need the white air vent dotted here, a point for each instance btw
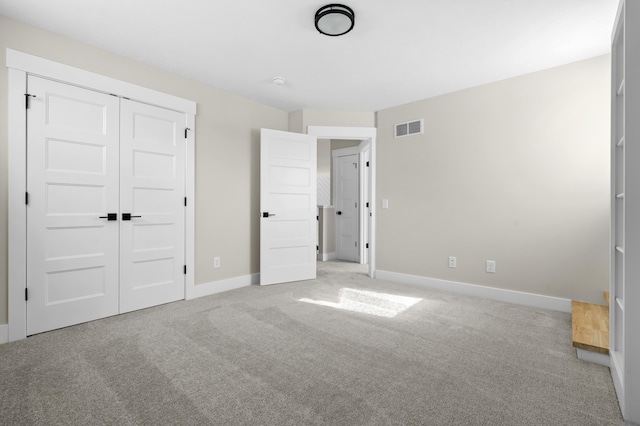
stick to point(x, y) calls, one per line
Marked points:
point(409, 128)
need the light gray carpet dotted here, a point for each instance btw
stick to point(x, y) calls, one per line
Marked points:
point(259, 356)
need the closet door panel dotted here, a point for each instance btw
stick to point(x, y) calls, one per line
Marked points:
point(72, 182)
point(152, 167)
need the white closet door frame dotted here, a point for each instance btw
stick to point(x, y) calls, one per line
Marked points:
point(20, 65)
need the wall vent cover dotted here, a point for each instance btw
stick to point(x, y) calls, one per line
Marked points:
point(409, 128)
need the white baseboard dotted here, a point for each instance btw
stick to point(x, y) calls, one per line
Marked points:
point(215, 287)
point(4, 333)
point(323, 257)
point(503, 295)
point(595, 357)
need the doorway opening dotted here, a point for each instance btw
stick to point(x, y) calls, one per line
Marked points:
point(352, 159)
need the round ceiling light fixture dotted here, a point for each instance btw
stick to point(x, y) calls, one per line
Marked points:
point(279, 81)
point(335, 19)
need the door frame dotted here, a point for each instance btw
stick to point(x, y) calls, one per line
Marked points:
point(365, 184)
point(20, 65)
point(367, 135)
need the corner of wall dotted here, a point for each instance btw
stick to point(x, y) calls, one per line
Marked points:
point(295, 121)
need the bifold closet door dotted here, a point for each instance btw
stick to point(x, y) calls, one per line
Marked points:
point(152, 188)
point(72, 184)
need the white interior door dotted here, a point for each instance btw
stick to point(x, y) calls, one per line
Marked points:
point(72, 184)
point(152, 179)
point(288, 188)
point(346, 196)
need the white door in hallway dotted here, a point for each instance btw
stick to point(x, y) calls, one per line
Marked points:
point(288, 185)
point(346, 202)
point(72, 184)
point(152, 179)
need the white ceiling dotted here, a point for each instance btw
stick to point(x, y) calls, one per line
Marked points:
point(399, 51)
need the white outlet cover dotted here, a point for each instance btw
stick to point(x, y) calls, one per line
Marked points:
point(491, 266)
point(452, 262)
point(216, 262)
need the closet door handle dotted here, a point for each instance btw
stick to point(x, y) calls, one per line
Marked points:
point(110, 216)
point(128, 216)
point(339, 213)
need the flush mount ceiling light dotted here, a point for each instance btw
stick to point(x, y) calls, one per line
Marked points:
point(335, 19)
point(279, 81)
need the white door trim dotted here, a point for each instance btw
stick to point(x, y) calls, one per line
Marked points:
point(17, 262)
point(362, 134)
point(35, 65)
point(343, 152)
point(22, 64)
point(365, 177)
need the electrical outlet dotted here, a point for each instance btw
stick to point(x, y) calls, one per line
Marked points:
point(491, 266)
point(216, 262)
point(452, 262)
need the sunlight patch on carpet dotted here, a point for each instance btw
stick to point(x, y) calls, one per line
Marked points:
point(368, 302)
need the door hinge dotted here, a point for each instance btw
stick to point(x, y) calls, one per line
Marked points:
point(26, 198)
point(356, 205)
point(356, 244)
point(317, 217)
point(185, 201)
point(26, 294)
point(367, 204)
point(367, 246)
point(186, 129)
point(185, 269)
point(27, 104)
point(355, 165)
point(367, 164)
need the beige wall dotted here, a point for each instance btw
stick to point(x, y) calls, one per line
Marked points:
point(326, 230)
point(324, 157)
point(227, 151)
point(515, 171)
